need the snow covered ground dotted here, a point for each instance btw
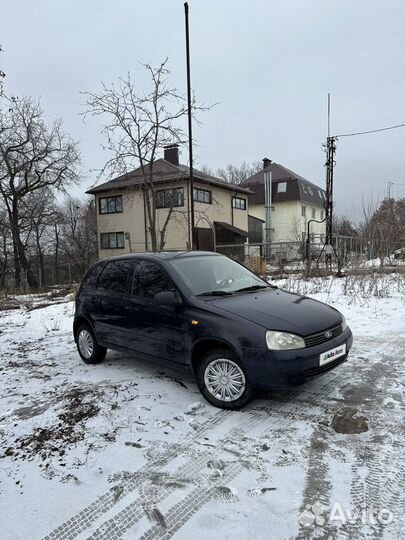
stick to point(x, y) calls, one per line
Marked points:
point(130, 450)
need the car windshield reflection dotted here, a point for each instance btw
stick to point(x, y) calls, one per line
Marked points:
point(216, 275)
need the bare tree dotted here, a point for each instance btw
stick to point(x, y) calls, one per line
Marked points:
point(384, 226)
point(4, 249)
point(343, 226)
point(236, 174)
point(77, 237)
point(38, 216)
point(139, 125)
point(2, 75)
point(33, 155)
point(56, 233)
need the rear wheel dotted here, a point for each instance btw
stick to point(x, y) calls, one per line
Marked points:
point(89, 351)
point(222, 380)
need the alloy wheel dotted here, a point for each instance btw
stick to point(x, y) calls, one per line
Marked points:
point(85, 343)
point(224, 379)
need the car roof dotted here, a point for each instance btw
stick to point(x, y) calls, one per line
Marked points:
point(160, 255)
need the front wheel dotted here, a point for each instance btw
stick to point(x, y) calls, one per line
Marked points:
point(89, 351)
point(222, 380)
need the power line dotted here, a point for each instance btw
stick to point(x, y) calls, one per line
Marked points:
point(371, 131)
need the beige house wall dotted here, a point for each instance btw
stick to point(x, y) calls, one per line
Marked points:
point(288, 222)
point(177, 228)
point(132, 219)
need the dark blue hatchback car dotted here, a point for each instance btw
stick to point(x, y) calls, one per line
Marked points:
point(235, 331)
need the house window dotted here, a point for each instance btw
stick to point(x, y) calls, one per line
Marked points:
point(112, 240)
point(303, 211)
point(110, 205)
point(202, 195)
point(168, 198)
point(313, 213)
point(239, 203)
point(282, 187)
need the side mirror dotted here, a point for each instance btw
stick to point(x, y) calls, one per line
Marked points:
point(166, 298)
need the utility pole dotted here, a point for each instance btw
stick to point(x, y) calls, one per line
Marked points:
point(190, 136)
point(330, 163)
point(330, 150)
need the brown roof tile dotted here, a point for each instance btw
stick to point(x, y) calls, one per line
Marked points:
point(297, 189)
point(164, 171)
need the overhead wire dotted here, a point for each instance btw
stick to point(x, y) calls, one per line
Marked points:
point(370, 131)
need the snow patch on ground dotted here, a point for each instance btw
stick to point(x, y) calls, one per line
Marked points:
point(129, 449)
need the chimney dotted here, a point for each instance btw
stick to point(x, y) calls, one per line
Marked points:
point(171, 153)
point(266, 162)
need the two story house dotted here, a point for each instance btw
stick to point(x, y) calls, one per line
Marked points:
point(220, 209)
point(294, 202)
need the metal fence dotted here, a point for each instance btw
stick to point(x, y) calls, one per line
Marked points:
point(65, 274)
point(347, 252)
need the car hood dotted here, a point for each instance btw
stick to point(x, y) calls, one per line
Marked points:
point(275, 309)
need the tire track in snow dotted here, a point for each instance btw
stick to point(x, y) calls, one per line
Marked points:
point(378, 471)
point(115, 527)
point(317, 482)
point(183, 511)
point(383, 484)
point(84, 519)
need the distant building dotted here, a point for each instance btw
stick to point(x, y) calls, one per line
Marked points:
point(295, 201)
point(221, 209)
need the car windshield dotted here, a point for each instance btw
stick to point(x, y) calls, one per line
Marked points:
point(216, 275)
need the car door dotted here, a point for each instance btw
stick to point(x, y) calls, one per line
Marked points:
point(113, 291)
point(88, 299)
point(156, 330)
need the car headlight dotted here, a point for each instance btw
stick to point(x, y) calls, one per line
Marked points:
point(283, 341)
point(344, 323)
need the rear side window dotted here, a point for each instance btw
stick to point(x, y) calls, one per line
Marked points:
point(115, 276)
point(90, 280)
point(149, 279)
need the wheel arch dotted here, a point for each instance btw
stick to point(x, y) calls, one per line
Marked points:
point(78, 321)
point(205, 345)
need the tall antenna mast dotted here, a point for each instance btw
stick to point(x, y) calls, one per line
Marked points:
point(328, 114)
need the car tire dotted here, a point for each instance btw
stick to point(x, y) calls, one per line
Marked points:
point(90, 352)
point(223, 362)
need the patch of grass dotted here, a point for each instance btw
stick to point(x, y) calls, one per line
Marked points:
point(47, 441)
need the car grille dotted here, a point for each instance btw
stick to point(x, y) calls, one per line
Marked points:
point(326, 367)
point(319, 337)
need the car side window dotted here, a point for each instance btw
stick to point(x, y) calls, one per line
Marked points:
point(115, 276)
point(149, 279)
point(90, 280)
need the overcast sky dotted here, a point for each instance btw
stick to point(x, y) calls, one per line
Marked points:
point(269, 65)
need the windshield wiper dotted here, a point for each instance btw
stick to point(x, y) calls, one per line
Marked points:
point(215, 293)
point(252, 288)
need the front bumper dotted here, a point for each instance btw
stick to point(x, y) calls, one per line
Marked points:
point(283, 369)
